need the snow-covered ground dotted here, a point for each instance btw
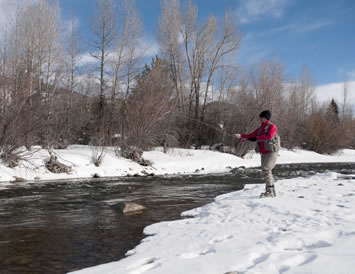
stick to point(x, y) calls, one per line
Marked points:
point(308, 228)
point(176, 161)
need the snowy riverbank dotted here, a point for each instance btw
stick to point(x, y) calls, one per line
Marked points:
point(308, 228)
point(176, 161)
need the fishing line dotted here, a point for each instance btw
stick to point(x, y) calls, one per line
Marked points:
point(185, 116)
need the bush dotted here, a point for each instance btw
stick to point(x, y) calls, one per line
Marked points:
point(322, 134)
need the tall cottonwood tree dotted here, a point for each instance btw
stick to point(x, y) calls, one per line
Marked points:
point(73, 50)
point(195, 51)
point(170, 44)
point(104, 28)
point(72, 46)
point(31, 76)
point(36, 53)
point(52, 75)
point(125, 61)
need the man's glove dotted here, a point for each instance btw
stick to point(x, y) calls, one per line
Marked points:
point(253, 139)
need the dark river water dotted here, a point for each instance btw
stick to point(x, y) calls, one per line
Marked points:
point(57, 227)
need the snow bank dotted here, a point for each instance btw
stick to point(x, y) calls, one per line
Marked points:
point(176, 161)
point(308, 228)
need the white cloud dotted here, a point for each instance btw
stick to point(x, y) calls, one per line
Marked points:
point(313, 26)
point(281, 29)
point(335, 90)
point(149, 48)
point(87, 59)
point(252, 10)
point(299, 28)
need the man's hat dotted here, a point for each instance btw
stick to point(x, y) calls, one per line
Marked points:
point(265, 114)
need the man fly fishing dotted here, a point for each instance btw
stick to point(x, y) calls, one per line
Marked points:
point(268, 144)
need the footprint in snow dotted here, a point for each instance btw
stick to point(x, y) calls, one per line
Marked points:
point(259, 260)
point(254, 259)
point(308, 259)
point(220, 239)
point(143, 265)
point(319, 244)
point(194, 254)
point(297, 260)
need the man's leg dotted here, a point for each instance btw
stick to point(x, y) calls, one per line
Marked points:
point(268, 162)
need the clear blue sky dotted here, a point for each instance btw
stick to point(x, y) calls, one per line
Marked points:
point(319, 34)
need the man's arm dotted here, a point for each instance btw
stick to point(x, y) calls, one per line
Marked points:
point(250, 135)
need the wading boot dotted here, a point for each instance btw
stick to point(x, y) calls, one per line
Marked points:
point(269, 192)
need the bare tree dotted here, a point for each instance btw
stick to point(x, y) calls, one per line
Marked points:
point(170, 43)
point(228, 79)
point(222, 48)
point(34, 36)
point(104, 28)
point(125, 58)
point(73, 50)
point(267, 83)
point(346, 110)
point(84, 127)
point(28, 46)
point(148, 107)
point(299, 102)
point(322, 134)
point(4, 64)
point(195, 52)
point(15, 67)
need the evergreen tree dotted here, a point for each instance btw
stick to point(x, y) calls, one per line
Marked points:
point(333, 111)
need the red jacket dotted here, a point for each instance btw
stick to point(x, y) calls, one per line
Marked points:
point(268, 136)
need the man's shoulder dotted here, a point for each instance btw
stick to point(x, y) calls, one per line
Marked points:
point(272, 125)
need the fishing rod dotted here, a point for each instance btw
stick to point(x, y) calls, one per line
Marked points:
point(187, 117)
